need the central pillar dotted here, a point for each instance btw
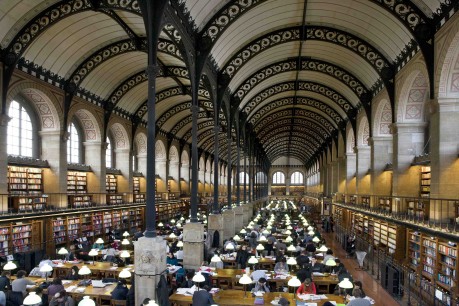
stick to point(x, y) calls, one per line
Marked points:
point(193, 245)
point(149, 263)
point(215, 223)
point(245, 214)
point(238, 218)
point(228, 224)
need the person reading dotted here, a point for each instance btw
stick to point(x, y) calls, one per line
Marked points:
point(307, 287)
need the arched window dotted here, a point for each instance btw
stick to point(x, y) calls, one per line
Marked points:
point(135, 166)
point(243, 175)
point(73, 145)
point(109, 154)
point(296, 178)
point(278, 178)
point(19, 131)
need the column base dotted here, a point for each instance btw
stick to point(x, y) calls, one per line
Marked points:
point(193, 245)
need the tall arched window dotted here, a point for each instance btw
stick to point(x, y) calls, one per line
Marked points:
point(296, 178)
point(278, 178)
point(73, 145)
point(109, 154)
point(20, 131)
point(243, 175)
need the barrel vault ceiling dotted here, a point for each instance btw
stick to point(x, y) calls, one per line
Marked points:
point(296, 71)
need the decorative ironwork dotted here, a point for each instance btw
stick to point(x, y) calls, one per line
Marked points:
point(186, 106)
point(306, 64)
point(168, 47)
point(271, 121)
point(263, 134)
point(127, 85)
point(287, 130)
point(160, 96)
point(172, 32)
point(180, 72)
point(226, 16)
point(185, 121)
point(201, 126)
point(342, 38)
point(284, 142)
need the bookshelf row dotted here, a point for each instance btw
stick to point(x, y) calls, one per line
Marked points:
point(19, 237)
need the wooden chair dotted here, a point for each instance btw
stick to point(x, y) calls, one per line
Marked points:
point(118, 303)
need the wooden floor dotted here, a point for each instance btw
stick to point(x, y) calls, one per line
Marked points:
point(371, 287)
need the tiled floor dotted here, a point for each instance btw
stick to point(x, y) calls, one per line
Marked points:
point(371, 287)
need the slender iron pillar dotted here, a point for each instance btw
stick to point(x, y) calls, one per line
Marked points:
point(216, 208)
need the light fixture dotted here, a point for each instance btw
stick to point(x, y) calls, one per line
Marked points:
point(9, 266)
point(215, 258)
point(100, 241)
point(289, 227)
point(62, 251)
point(125, 273)
point(93, 253)
point(260, 247)
point(46, 268)
point(229, 247)
point(125, 242)
point(237, 238)
point(126, 234)
point(346, 284)
point(160, 224)
point(125, 254)
point(288, 239)
point(294, 282)
point(32, 299)
point(310, 228)
point(172, 221)
point(252, 260)
point(291, 248)
point(323, 248)
point(291, 261)
point(84, 270)
point(331, 263)
point(180, 244)
point(245, 280)
point(87, 301)
point(316, 239)
point(262, 238)
point(152, 303)
point(179, 225)
point(265, 232)
point(288, 232)
point(198, 278)
point(182, 218)
point(172, 236)
point(311, 233)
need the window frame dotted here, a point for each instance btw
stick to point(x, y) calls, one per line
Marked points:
point(80, 131)
point(275, 182)
point(293, 182)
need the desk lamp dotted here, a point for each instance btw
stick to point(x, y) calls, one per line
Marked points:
point(46, 268)
point(86, 301)
point(288, 239)
point(198, 278)
point(9, 266)
point(100, 241)
point(32, 299)
point(125, 234)
point(345, 284)
point(245, 280)
point(215, 258)
point(125, 254)
point(125, 242)
point(160, 224)
point(237, 238)
point(229, 247)
point(311, 233)
point(289, 227)
point(93, 253)
point(63, 251)
point(330, 263)
point(243, 231)
point(172, 236)
point(294, 282)
point(152, 303)
point(262, 238)
point(265, 232)
point(180, 244)
point(288, 232)
point(322, 249)
point(252, 260)
point(291, 261)
point(85, 271)
point(125, 273)
point(260, 248)
point(315, 239)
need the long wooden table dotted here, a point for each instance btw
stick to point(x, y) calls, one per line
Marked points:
point(99, 269)
point(239, 297)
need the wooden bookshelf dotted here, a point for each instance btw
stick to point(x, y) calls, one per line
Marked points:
point(385, 204)
point(28, 203)
point(97, 223)
point(414, 250)
point(107, 222)
point(86, 225)
point(73, 227)
point(5, 236)
point(25, 180)
point(77, 182)
point(26, 237)
point(419, 209)
point(136, 219)
point(79, 201)
point(366, 201)
point(425, 181)
point(138, 197)
point(114, 199)
point(116, 219)
point(111, 183)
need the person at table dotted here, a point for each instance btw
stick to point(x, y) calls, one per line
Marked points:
point(19, 288)
point(257, 274)
point(303, 273)
point(70, 256)
point(179, 255)
point(121, 290)
point(55, 287)
point(307, 287)
point(260, 285)
point(358, 285)
point(315, 266)
point(339, 267)
point(281, 266)
point(242, 256)
point(280, 245)
point(98, 246)
point(73, 274)
point(138, 234)
point(188, 281)
point(359, 300)
point(110, 254)
point(171, 260)
point(203, 297)
point(2, 298)
point(310, 248)
point(328, 255)
point(303, 259)
point(5, 282)
point(62, 299)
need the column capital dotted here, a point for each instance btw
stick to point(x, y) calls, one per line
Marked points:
point(408, 127)
point(382, 139)
point(443, 105)
point(4, 119)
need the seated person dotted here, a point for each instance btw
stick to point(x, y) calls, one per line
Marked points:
point(260, 285)
point(203, 297)
point(171, 260)
point(359, 299)
point(303, 273)
point(310, 247)
point(62, 299)
point(257, 274)
point(338, 268)
point(307, 287)
point(73, 274)
point(358, 285)
point(303, 259)
point(121, 290)
point(179, 255)
point(19, 288)
point(110, 254)
point(328, 255)
point(5, 283)
point(55, 287)
point(281, 266)
point(316, 266)
point(188, 281)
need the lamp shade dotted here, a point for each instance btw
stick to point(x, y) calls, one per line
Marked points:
point(172, 221)
point(310, 228)
point(152, 303)
point(229, 247)
point(311, 233)
point(87, 301)
point(316, 239)
point(243, 231)
point(346, 284)
point(288, 232)
point(125, 273)
point(215, 258)
point(84, 270)
point(291, 261)
point(199, 278)
point(291, 248)
point(160, 224)
point(330, 263)
point(260, 247)
point(62, 251)
point(180, 244)
point(46, 268)
point(294, 282)
point(289, 239)
point(323, 248)
point(125, 234)
point(10, 266)
point(252, 260)
point(265, 232)
point(125, 242)
point(237, 238)
point(125, 254)
point(245, 280)
point(93, 252)
point(262, 238)
point(289, 227)
point(172, 236)
point(100, 240)
point(32, 299)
